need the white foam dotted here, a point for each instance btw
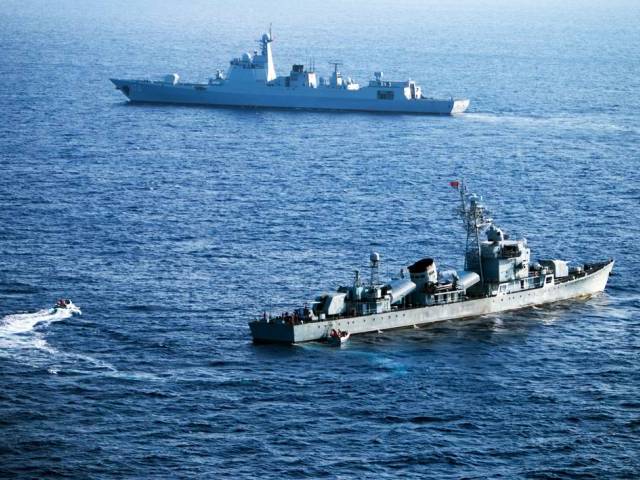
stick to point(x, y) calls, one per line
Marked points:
point(498, 324)
point(569, 122)
point(26, 322)
point(22, 339)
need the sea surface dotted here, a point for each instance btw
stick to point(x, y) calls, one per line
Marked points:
point(171, 227)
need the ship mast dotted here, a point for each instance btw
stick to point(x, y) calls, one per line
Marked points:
point(475, 218)
point(265, 46)
point(375, 268)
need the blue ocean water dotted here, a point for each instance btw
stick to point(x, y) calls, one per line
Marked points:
point(172, 226)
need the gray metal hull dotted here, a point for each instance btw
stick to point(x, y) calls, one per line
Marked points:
point(274, 97)
point(304, 332)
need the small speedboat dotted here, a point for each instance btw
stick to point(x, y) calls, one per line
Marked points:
point(65, 305)
point(337, 337)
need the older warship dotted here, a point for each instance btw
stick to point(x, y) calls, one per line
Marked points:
point(251, 81)
point(498, 275)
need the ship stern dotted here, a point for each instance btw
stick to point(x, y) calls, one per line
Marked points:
point(460, 106)
point(271, 332)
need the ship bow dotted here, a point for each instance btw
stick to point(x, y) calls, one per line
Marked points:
point(122, 85)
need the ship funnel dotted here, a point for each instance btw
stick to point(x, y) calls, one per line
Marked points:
point(423, 272)
point(426, 267)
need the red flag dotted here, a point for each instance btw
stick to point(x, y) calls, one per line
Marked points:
point(454, 184)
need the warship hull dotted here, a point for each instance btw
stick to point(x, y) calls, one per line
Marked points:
point(587, 285)
point(263, 96)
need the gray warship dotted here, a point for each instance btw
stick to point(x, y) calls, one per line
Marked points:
point(498, 276)
point(251, 81)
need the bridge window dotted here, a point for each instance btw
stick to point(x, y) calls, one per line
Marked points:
point(385, 95)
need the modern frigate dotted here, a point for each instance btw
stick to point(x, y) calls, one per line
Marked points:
point(498, 276)
point(251, 81)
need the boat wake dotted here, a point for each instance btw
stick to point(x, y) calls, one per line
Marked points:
point(22, 339)
point(21, 335)
point(566, 122)
point(21, 323)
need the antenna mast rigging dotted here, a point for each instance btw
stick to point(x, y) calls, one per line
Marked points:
point(476, 219)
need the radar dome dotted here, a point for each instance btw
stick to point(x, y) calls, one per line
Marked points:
point(172, 78)
point(246, 57)
point(494, 234)
point(374, 257)
point(266, 37)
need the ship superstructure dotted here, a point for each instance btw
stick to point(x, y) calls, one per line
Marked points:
point(498, 276)
point(251, 81)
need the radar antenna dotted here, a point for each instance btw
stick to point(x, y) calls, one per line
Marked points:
point(336, 64)
point(266, 38)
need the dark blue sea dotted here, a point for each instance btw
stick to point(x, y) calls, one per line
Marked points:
point(171, 227)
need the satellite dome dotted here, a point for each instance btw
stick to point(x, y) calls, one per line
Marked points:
point(266, 37)
point(494, 234)
point(246, 57)
point(374, 257)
